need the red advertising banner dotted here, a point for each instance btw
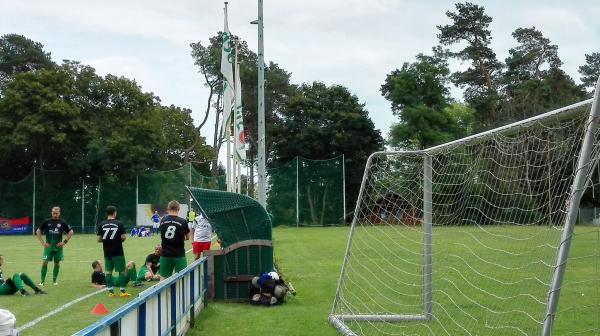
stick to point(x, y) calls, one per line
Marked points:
point(14, 225)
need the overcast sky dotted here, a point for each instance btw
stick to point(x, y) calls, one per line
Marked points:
point(349, 42)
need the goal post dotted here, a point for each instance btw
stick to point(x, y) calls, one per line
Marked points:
point(473, 237)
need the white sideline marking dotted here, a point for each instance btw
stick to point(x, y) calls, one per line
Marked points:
point(58, 310)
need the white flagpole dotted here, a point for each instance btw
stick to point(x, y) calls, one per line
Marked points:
point(228, 94)
point(239, 179)
point(229, 185)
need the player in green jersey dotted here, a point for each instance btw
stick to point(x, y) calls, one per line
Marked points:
point(53, 228)
point(15, 283)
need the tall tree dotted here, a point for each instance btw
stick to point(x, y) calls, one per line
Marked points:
point(39, 122)
point(421, 100)
point(20, 54)
point(470, 26)
point(320, 122)
point(590, 71)
point(533, 81)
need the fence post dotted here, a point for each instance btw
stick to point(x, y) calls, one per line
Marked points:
point(297, 192)
point(344, 187)
point(33, 215)
point(83, 204)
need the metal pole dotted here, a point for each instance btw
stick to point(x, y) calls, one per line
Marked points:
point(33, 215)
point(297, 192)
point(262, 188)
point(352, 228)
point(427, 231)
point(82, 205)
point(344, 187)
point(576, 192)
point(137, 199)
point(239, 178)
point(229, 188)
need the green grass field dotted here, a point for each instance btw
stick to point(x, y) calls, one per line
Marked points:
point(311, 259)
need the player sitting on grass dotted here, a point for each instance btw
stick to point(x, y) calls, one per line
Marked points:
point(15, 284)
point(149, 271)
point(99, 277)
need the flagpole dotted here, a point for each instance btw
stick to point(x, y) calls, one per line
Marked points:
point(237, 110)
point(229, 188)
point(262, 187)
point(228, 95)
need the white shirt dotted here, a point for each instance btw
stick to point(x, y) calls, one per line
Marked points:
point(202, 229)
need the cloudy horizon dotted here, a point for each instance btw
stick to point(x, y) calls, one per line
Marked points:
point(352, 43)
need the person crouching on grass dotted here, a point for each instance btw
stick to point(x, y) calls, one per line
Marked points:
point(15, 284)
point(174, 231)
point(99, 277)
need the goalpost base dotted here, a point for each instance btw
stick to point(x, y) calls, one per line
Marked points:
point(338, 320)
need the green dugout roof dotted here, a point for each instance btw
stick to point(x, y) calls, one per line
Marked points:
point(234, 217)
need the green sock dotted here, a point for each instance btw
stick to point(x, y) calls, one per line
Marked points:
point(44, 271)
point(109, 281)
point(132, 274)
point(17, 281)
point(122, 280)
point(55, 271)
point(28, 281)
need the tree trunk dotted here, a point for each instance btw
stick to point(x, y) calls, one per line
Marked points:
point(311, 206)
point(323, 204)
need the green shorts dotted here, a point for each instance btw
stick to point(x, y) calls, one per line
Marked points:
point(7, 289)
point(167, 264)
point(141, 276)
point(51, 253)
point(117, 263)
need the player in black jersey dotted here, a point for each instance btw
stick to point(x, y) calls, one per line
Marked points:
point(111, 233)
point(174, 231)
point(53, 228)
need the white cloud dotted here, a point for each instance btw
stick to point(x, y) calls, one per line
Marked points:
point(350, 42)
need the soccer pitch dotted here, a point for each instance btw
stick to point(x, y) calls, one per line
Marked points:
point(308, 257)
point(24, 253)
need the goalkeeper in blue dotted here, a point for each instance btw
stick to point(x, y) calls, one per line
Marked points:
point(15, 284)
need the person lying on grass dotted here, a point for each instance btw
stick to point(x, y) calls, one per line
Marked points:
point(99, 277)
point(15, 284)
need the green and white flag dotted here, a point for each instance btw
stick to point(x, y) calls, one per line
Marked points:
point(227, 71)
point(238, 121)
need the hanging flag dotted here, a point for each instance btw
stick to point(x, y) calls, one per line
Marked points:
point(227, 71)
point(238, 123)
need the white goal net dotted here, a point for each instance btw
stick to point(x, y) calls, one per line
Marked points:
point(474, 237)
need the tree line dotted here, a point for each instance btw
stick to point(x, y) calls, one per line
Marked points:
point(529, 82)
point(66, 116)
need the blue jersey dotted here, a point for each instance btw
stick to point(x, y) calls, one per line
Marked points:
point(155, 218)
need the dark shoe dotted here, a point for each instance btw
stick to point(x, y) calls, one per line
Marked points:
point(39, 292)
point(24, 293)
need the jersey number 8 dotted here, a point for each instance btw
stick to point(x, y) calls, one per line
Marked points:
point(170, 233)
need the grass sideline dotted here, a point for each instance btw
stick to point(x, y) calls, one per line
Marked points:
point(310, 258)
point(24, 253)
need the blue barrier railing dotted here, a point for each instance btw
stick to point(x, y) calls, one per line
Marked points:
point(167, 308)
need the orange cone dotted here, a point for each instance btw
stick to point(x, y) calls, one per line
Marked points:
point(99, 309)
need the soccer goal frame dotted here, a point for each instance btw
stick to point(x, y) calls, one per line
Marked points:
point(585, 164)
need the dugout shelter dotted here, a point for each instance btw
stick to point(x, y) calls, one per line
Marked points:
point(244, 228)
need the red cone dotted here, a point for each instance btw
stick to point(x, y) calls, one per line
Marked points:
point(99, 309)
